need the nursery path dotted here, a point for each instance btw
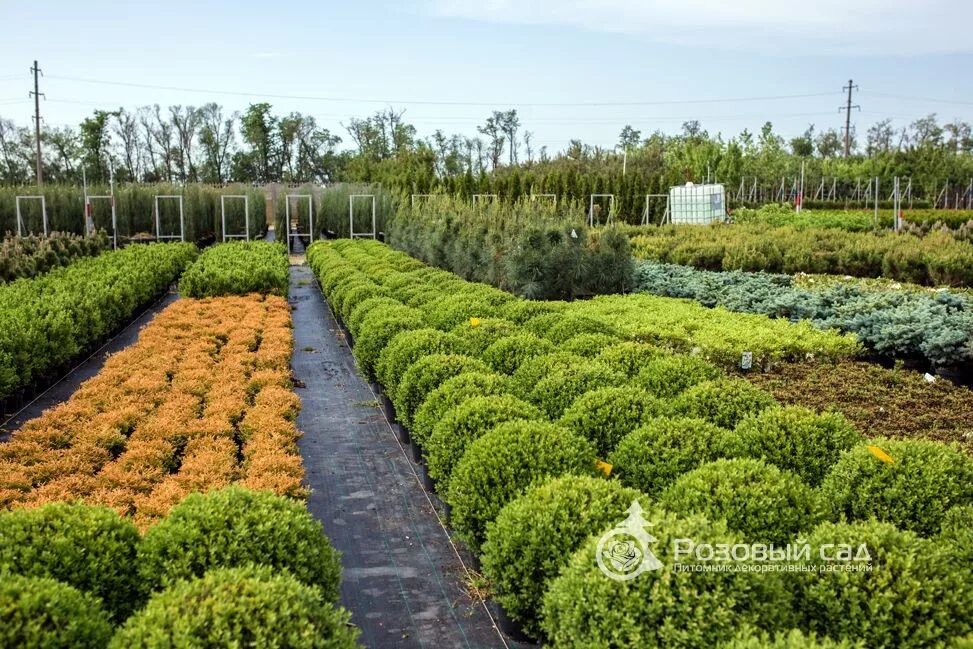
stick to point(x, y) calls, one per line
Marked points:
point(84, 370)
point(402, 580)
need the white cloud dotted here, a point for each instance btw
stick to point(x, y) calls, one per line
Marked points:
point(868, 27)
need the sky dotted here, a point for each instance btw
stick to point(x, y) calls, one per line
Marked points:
point(572, 68)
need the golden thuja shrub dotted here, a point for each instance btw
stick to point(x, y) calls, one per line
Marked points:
point(202, 400)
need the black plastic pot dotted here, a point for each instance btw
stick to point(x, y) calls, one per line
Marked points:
point(513, 629)
point(401, 433)
point(427, 482)
point(955, 373)
point(388, 408)
point(416, 450)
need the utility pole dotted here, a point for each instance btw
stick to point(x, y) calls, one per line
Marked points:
point(848, 108)
point(36, 94)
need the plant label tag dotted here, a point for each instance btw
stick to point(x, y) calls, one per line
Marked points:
point(746, 361)
point(604, 467)
point(574, 233)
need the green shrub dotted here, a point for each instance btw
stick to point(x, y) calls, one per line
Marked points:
point(45, 613)
point(362, 309)
point(910, 597)
point(914, 492)
point(652, 457)
point(505, 462)
point(555, 392)
point(793, 639)
point(506, 354)
point(426, 375)
point(452, 393)
point(569, 325)
point(669, 376)
point(796, 439)
point(588, 345)
point(451, 310)
point(756, 499)
point(466, 422)
point(479, 334)
point(606, 415)
point(725, 402)
point(355, 296)
point(661, 608)
point(534, 536)
point(406, 349)
point(376, 330)
point(536, 368)
point(240, 607)
point(90, 548)
point(235, 527)
point(237, 268)
point(630, 357)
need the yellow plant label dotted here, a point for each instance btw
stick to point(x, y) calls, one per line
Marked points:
point(880, 454)
point(604, 467)
point(474, 322)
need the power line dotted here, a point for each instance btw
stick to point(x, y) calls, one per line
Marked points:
point(434, 103)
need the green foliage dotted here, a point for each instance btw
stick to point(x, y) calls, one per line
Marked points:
point(534, 536)
point(756, 499)
point(795, 439)
point(45, 613)
point(629, 357)
point(427, 374)
point(535, 368)
point(520, 311)
point(451, 393)
point(363, 308)
point(652, 457)
point(90, 548)
point(555, 392)
point(47, 321)
point(588, 345)
point(379, 327)
point(606, 415)
point(240, 607)
point(911, 597)
point(661, 608)
point(33, 255)
point(924, 480)
point(238, 268)
point(725, 402)
point(502, 464)
point(486, 331)
point(466, 422)
point(406, 348)
point(793, 639)
point(235, 527)
point(454, 309)
point(506, 354)
point(568, 326)
point(669, 376)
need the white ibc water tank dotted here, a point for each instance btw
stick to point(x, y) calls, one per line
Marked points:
point(697, 204)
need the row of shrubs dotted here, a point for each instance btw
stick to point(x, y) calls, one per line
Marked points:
point(937, 327)
point(512, 407)
point(231, 568)
point(47, 321)
point(34, 255)
point(331, 207)
point(238, 268)
point(934, 260)
point(853, 220)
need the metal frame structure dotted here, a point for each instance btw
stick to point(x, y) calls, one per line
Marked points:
point(534, 197)
point(182, 219)
point(351, 217)
point(246, 216)
point(477, 197)
point(647, 212)
point(896, 205)
point(591, 208)
point(114, 216)
point(20, 220)
point(291, 234)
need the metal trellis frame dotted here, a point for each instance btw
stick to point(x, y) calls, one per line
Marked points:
point(182, 221)
point(20, 220)
point(246, 215)
point(88, 207)
point(351, 217)
point(647, 212)
point(591, 208)
point(293, 228)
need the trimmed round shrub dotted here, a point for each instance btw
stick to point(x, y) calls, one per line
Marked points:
point(630, 357)
point(376, 330)
point(606, 415)
point(505, 462)
point(534, 369)
point(568, 326)
point(793, 639)
point(234, 527)
point(540, 324)
point(408, 347)
point(419, 296)
point(534, 536)
point(554, 393)
point(520, 311)
point(958, 521)
point(583, 608)
point(449, 311)
point(506, 354)
point(911, 596)
point(479, 333)
point(924, 480)
point(669, 376)
point(652, 457)
point(466, 422)
point(45, 613)
point(427, 374)
point(725, 402)
point(756, 499)
point(239, 607)
point(588, 345)
point(355, 296)
point(796, 439)
point(90, 548)
point(452, 393)
point(362, 309)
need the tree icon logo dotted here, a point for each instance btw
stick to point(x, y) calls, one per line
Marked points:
point(623, 551)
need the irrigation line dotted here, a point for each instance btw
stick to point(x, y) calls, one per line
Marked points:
point(449, 538)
